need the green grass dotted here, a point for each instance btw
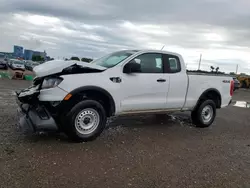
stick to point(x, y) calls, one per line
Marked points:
point(5, 75)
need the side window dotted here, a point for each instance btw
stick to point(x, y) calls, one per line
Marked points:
point(171, 64)
point(150, 62)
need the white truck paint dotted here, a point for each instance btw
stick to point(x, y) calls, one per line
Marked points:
point(138, 91)
point(136, 82)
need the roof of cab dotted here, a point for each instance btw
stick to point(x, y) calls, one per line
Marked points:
point(158, 51)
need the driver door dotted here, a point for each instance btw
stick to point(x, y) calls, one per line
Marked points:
point(147, 89)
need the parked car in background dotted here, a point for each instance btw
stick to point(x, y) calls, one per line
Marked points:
point(10, 61)
point(3, 62)
point(16, 64)
point(236, 84)
point(29, 65)
point(3, 65)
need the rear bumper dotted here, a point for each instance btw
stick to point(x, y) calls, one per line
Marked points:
point(34, 118)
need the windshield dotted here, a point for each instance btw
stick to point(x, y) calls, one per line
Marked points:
point(113, 59)
point(18, 62)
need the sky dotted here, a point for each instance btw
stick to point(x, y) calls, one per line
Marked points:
point(217, 29)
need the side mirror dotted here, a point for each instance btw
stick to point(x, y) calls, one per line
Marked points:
point(132, 68)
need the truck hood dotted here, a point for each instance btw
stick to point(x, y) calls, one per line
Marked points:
point(57, 66)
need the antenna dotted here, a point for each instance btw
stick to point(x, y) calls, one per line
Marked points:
point(200, 62)
point(162, 47)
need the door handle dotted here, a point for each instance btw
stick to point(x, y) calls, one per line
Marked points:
point(116, 79)
point(161, 80)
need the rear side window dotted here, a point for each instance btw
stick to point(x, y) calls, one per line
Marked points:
point(171, 64)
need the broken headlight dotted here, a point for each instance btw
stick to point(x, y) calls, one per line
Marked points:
point(51, 82)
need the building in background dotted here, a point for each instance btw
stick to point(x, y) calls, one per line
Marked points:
point(21, 53)
point(28, 54)
point(18, 51)
point(8, 55)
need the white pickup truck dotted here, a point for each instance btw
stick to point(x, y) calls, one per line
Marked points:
point(77, 97)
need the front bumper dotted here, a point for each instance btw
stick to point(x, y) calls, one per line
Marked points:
point(33, 117)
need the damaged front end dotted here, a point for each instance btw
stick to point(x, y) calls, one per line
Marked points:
point(36, 115)
point(33, 115)
point(78, 69)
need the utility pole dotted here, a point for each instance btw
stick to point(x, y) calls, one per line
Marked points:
point(200, 62)
point(236, 69)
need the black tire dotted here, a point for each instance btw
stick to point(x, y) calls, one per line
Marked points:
point(69, 126)
point(197, 116)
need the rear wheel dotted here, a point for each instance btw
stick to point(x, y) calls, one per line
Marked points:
point(204, 114)
point(85, 121)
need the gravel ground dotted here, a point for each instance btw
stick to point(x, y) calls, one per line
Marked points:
point(242, 95)
point(136, 151)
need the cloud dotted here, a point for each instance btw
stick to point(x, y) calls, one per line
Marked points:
point(30, 42)
point(219, 29)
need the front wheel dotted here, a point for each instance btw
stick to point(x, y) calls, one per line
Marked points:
point(204, 114)
point(85, 121)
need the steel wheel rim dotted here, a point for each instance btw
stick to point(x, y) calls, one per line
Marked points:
point(207, 113)
point(87, 121)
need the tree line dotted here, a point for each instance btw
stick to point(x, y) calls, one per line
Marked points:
point(40, 58)
point(37, 58)
point(212, 70)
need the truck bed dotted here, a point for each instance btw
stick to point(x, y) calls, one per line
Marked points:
point(198, 83)
point(208, 74)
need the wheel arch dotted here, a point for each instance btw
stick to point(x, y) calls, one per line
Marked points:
point(212, 94)
point(95, 93)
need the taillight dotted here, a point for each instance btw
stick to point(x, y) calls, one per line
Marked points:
point(231, 88)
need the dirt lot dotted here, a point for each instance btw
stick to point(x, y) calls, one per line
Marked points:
point(137, 151)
